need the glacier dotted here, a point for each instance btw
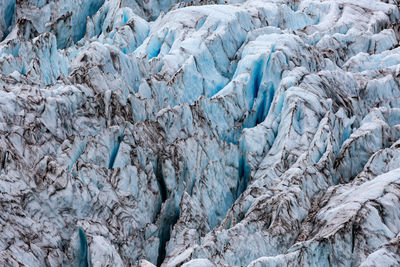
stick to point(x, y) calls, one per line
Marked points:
point(200, 133)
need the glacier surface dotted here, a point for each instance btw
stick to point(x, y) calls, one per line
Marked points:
point(200, 133)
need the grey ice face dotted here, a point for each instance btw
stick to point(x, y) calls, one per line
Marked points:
point(199, 133)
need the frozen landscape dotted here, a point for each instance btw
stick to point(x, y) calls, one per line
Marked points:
point(199, 133)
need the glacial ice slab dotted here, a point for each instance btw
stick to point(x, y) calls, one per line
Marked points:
point(199, 133)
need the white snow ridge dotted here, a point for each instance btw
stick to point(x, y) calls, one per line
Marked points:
point(199, 133)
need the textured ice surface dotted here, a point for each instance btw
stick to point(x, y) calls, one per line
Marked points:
point(199, 133)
